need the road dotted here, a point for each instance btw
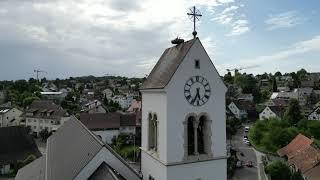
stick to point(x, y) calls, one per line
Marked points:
point(245, 173)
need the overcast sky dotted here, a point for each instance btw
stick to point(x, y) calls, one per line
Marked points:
point(126, 37)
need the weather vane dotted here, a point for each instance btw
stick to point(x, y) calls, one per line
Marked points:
point(194, 15)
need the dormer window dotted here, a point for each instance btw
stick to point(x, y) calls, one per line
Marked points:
point(197, 64)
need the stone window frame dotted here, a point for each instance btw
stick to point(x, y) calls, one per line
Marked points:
point(152, 116)
point(207, 134)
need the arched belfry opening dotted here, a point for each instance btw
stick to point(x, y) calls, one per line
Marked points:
point(197, 137)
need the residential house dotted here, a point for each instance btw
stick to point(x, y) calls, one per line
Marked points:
point(128, 123)
point(9, 116)
point(277, 102)
point(58, 96)
point(245, 97)
point(107, 93)
point(94, 106)
point(123, 101)
point(43, 114)
point(105, 125)
point(284, 95)
point(272, 112)
point(315, 114)
point(110, 125)
point(303, 95)
point(135, 106)
point(302, 155)
point(307, 83)
point(16, 145)
point(74, 152)
point(243, 109)
point(283, 89)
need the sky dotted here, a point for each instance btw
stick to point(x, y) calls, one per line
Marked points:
point(126, 37)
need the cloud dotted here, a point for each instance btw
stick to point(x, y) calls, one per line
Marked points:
point(299, 48)
point(230, 17)
point(283, 20)
point(68, 38)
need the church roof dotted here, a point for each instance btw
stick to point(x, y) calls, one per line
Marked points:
point(167, 65)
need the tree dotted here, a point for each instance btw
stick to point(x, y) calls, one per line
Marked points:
point(228, 78)
point(278, 170)
point(277, 74)
point(274, 85)
point(293, 112)
point(301, 74)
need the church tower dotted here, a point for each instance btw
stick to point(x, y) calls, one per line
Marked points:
point(183, 117)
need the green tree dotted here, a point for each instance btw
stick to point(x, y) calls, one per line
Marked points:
point(278, 170)
point(278, 74)
point(274, 85)
point(293, 112)
point(228, 78)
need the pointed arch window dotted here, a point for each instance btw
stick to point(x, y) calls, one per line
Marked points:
point(153, 131)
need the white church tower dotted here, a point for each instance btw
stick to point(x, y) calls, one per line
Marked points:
point(183, 117)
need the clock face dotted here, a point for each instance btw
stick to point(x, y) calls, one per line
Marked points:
point(197, 90)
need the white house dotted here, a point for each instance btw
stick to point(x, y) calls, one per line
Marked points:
point(272, 112)
point(315, 114)
point(183, 98)
point(107, 93)
point(94, 106)
point(9, 116)
point(242, 109)
point(110, 125)
point(124, 101)
point(42, 115)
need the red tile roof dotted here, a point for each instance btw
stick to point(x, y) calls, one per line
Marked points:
point(299, 143)
point(305, 159)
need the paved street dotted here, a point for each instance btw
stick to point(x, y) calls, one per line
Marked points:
point(245, 173)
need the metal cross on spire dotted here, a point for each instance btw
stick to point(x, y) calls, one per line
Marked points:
point(194, 15)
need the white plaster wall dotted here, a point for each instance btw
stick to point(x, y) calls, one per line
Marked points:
point(107, 135)
point(155, 102)
point(10, 115)
point(207, 170)
point(128, 129)
point(152, 167)
point(104, 155)
point(178, 107)
point(266, 114)
point(40, 122)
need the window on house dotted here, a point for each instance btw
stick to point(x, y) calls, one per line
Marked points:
point(151, 178)
point(153, 132)
point(197, 64)
point(190, 135)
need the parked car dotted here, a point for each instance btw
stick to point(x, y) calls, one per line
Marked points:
point(245, 137)
point(249, 164)
point(247, 142)
point(246, 129)
point(239, 164)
